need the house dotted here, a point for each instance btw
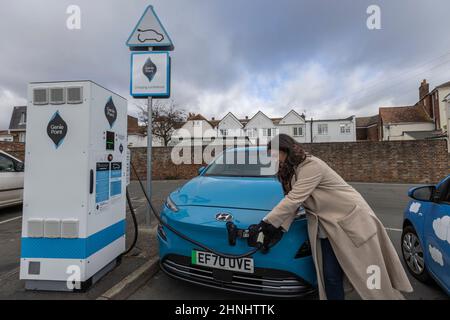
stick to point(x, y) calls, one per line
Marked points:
point(260, 129)
point(197, 130)
point(137, 136)
point(434, 104)
point(405, 123)
point(331, 130)
point(5, 136)
point(446, 101)
point(17, 124)
point(426, 119)
point(367, 128)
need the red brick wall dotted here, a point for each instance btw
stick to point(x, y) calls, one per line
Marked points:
point(16, 149)
point(367, 161)
point(361, 134)
point(373, 133)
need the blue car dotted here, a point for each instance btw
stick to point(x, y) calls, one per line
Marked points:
point(426, 233)
point(243, 194)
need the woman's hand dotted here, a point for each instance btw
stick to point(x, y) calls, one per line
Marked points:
point(271, 234)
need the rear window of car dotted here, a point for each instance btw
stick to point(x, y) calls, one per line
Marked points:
point(242, 163)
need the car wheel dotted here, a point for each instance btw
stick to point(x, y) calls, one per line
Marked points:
point(413, 254)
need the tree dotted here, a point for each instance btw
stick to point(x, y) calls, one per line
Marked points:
point(166, 117)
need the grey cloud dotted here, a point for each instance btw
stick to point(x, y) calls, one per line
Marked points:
point(220, 43)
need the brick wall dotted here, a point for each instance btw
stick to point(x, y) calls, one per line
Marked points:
point(366, 161)
point(16, 149)
point(373, 133)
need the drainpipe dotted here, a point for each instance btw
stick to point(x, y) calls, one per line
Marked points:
point(311, 129)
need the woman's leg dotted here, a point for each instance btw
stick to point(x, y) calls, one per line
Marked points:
point(332, 272)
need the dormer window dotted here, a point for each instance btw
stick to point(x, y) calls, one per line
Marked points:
point(23, 118)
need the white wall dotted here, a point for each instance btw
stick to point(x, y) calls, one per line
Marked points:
point(258, 125)
point(195, 129)
point(443, 110)
point(137, 140)
point(395, 131)
point(232, 125)
point(334, 131)
point(6, 138)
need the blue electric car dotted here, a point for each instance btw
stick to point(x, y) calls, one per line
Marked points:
point(241, 191)
point(426, 233)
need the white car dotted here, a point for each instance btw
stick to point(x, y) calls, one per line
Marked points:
point(11, 180)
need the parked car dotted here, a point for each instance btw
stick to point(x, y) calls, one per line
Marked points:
point(11, 180)
point(426, 233)
point(244, 195)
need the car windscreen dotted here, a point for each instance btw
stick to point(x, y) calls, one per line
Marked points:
point(244, 163)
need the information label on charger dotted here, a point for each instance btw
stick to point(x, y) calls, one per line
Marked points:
point(102, 182)
point(116, 179)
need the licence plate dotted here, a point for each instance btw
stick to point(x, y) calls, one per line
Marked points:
point(207, 259)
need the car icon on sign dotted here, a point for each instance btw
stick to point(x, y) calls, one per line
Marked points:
point(149, 35)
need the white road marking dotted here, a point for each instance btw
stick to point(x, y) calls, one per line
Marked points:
point(9, 274)
point(9, 220)
point(393, 229)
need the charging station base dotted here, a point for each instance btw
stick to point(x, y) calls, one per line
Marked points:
point(50, 285)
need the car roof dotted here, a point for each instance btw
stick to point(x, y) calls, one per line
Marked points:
point(242, 149)
point(9, 155)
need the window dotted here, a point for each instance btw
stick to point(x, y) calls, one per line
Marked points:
point(247, 163)
point(267, 132)
point(21, 136)
point(345, 128)
point(223, 132)
point(444, 190)
point(6, 164)
point(322, 128)
point(23, 118)
point(251, 133)
point(298, 131)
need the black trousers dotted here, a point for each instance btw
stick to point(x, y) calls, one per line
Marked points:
point(332, 272)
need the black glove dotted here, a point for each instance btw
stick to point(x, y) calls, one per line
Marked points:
point(271, 235)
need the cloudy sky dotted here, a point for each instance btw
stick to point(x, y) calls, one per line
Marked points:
point(315, 56)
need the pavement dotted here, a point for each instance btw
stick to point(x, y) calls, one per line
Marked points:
point(135, 267)
point(138, 276)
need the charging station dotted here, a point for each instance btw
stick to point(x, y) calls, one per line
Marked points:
point(73, 228)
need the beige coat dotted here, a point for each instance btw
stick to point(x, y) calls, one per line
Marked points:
point(357, 236)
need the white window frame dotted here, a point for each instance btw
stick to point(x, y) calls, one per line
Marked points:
point(224, 132)
point(23, 118)
point(298, 129)
point(345, 128)
point(320, 129)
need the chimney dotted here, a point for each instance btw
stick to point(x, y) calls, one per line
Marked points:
point(212, 119)
point(246, 117)
point(424, 89)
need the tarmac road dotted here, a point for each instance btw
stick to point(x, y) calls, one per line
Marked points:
point(388, 201)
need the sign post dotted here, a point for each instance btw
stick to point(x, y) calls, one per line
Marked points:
point(150, 73)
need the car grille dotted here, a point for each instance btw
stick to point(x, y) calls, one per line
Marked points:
point(263, 281)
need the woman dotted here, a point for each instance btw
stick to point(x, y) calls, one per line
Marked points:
point(348, 242)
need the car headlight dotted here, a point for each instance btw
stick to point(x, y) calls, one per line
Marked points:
point(171, 205)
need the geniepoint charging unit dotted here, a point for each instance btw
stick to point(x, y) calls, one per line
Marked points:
point(73, 226)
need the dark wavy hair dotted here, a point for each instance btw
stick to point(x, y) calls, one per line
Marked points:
point(295, 155)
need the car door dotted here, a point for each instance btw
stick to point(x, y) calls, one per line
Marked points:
point(11, 182)
point(437, 232)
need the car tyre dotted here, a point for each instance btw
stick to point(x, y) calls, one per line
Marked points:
point(413, 254)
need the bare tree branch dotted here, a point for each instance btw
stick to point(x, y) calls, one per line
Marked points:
point(165, 119)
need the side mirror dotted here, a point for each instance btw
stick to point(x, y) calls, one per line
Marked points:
point(201, 169)
point(425, 193)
